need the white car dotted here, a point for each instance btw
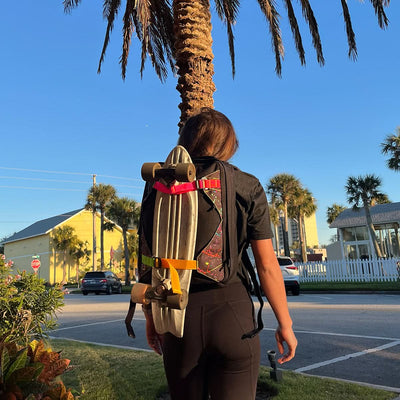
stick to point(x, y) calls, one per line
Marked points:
point(290, 275)
point(289, 271)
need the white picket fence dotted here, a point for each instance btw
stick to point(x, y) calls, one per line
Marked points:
point(380, 270)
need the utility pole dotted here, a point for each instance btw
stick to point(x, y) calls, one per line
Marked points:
point(94, 227)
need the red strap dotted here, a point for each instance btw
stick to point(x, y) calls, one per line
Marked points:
point(188, 187)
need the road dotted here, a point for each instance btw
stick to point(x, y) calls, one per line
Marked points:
point(347, 336)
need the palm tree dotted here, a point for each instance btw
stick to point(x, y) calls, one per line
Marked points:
point(333, 211)
point(133, 245)
point(98, 198)
point(363, 191)
point(283, 187)
point(79, 250)
point(391, 147)
point(331, 214)
point(64, 239)
point(124, 212)
point(302, 206)
point(274, 217)
point(180, 36)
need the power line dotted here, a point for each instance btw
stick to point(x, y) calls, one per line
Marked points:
point(68, 173)
point(42, 188)
point(44, 171)
point(62, 181)
point(62, 190)
point(42, 179)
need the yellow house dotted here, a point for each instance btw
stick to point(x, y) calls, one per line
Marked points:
point(36, 240)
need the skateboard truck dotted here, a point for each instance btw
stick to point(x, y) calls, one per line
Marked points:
point(275, 374)
point(162, 293)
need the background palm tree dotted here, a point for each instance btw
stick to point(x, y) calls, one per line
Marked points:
point(79, 250)
point(302, 205)
point(391, 147)
point(125, 212)
point(363, 191)
point(283, 187)
point(274, 217)
point(180, 37)
point(98, 198)
point(331, 214)
point(64, 239)
point(333, 211)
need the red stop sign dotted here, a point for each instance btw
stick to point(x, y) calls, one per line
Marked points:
point(35, 264)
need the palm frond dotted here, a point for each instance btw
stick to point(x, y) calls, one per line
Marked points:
point(296, 31)
point(227, 11)
point(313, 26)
point(70, 4)
point(272, 16)
point(378, 5)
point(128, 28)
point(157, 40)
point(351, 37)
point(110, 11)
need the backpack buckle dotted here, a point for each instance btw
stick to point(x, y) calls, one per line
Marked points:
point(157, 262)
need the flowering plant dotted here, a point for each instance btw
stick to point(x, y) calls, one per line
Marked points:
point(27, 306)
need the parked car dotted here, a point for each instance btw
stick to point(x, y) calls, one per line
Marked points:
point(101, 282)
point(290, 275)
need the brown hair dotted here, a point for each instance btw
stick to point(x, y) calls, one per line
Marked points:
point(209, 133)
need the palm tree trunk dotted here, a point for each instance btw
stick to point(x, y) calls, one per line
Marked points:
point(77, 272)
point(286, 231)
point(102, 240)
point(276, 233)
point(372, 233)
point(303, 248)
point(126, 254)
point(193, 54)
point(64, 268)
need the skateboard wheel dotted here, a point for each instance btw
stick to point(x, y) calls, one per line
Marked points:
point(185, 172)
point(178, 301)
point(138, 293)
point(149, 170)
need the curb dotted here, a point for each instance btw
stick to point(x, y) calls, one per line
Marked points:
point(370, 385)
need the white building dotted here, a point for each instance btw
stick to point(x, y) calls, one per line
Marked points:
point(354, 239)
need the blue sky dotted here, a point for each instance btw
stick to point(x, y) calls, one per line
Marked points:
point(58, 115)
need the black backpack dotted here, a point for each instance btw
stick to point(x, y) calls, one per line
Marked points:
point(229, 253)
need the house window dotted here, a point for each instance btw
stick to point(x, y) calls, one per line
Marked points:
point(348, 235)
point(361, 233)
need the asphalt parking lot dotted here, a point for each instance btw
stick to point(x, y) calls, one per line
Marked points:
point(354, 337)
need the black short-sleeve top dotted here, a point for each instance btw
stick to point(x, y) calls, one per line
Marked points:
point(252, 217)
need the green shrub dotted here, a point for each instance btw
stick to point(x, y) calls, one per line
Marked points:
point(27, 306)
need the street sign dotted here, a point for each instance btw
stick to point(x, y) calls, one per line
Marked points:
point(35, 264)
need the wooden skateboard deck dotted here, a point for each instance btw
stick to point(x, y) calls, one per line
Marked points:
point(174, 237)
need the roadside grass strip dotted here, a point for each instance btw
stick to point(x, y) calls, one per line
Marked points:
point(101, 372)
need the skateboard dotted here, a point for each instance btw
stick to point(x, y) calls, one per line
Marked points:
point(174, 239)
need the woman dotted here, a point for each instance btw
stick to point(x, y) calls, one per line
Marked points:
point(214, 357)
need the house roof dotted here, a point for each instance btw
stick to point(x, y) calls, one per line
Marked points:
point(380, 214)
point(41, 227)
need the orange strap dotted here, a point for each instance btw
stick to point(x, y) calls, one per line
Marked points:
point(173, 265)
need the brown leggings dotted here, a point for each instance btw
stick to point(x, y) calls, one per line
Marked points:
point(212, 358)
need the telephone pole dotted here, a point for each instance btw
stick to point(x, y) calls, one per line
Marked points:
point(94, 227)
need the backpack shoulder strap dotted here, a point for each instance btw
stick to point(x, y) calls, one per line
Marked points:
point(227, 176)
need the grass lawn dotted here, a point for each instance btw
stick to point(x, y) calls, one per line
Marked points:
point(106, 373)
point(351, 286)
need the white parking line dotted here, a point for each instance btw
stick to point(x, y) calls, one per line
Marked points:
point(340, 334)
point(82, 325)
point(348, 356)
